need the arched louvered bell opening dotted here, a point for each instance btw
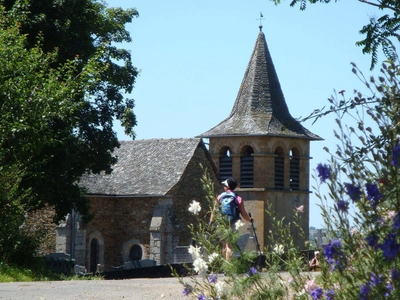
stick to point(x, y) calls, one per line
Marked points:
point(225, 163)
point(279, 169)
point(247, 167)
point(294, 169)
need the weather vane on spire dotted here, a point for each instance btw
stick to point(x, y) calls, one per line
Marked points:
point(261, 18)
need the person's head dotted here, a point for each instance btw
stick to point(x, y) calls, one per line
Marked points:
point(230, 184)
point(316, 253)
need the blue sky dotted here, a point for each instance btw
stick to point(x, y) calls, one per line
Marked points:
point(193, 55)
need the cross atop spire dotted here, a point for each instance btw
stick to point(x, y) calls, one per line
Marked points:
point(261, 18)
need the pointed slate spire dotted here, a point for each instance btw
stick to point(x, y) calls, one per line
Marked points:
point(260, 107)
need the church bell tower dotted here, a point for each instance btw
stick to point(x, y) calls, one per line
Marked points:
point(264, 147)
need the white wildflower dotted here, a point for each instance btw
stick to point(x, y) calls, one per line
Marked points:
point(220, 288)
point(301, 293)
point(195, 207)
point(310, 285)
point(239, 224)
point(212, 257)
point(200, 266)
point(278, 249)
point(194, 251)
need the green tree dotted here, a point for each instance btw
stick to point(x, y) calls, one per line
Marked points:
point(74, 133)
point(34, 96)
point(379, 33)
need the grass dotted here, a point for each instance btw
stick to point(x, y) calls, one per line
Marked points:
point(35, 271)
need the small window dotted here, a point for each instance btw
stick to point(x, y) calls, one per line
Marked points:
point(135, 253)
point(279, 169)
point(225, 163)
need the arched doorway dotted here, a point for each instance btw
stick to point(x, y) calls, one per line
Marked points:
point(94, 255)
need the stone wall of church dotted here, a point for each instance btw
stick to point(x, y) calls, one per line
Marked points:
point(117, 221)
point(190, 188)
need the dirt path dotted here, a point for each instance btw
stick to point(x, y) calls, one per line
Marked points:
point(127, 289)
point(160, 288)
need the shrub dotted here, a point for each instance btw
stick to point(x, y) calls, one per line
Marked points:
point(17, 245)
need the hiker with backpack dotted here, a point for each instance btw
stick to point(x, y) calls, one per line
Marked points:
point(232, 206)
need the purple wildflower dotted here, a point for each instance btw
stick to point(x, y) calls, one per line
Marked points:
point(389, 288)
point(377, 282)
point(330, 294)
point(395, 156)
point(390, 247)
point(201, 297)
point(343, 205)
point(364, 292)
point(372, 241)
point(252, 271)
point(316, 293)
point(334, 255)
point(376, 279)
point(213, 278)
point(353, 191)
point(396, 222)
point(324, 172)
point(373, 193)
point(187, 290)
point(395, 274)
point(332, 248)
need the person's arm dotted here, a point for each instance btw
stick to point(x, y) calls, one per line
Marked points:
point(312, 263)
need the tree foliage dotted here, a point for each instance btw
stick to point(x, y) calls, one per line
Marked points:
point(62, 79)
point(33, 98)
point(380, 33)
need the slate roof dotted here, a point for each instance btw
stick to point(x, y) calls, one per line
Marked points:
point(260, 107)
point(144, 167)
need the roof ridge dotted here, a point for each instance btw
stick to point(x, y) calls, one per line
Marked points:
point(159, 139)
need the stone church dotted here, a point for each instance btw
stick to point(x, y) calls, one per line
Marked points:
point(141, 209)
